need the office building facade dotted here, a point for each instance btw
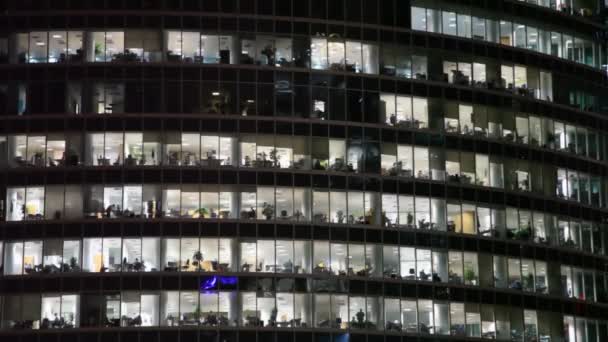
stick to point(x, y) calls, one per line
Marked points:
point(308, 170)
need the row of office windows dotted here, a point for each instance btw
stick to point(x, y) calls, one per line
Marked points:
point(521, 80)
point(582, 8)
point(368, 11)
point(115, 254)
point(401, 111)
point(281, 99)
point(560, 44)
point(353, 11)
point(318, 53)
point(299, 205)
point(295, 310)
point(391, 60)
point(301, 153)
point(272, 99)
point(279, 151)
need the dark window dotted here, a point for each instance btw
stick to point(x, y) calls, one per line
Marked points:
point(300, 8)
point(354, 104)
point(387, 12)
point(337, 106)
point(152, 98)
point(265, 100)
point(228, 6)
point(173, 96)
point(318, 9)
point(247, 6)
point(301, 102)
point(56, 97)
point(265, 7)
point(35, 98)
point(133, 97)
point(370, 11)
point(335, 9)
point(211, 5)
point(353, 10)
point(283, 7)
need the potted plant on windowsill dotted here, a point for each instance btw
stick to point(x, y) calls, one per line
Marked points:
point(201, 213)
point(267, 210)
point(523, 234)
point(340, 216)
point(410, 220)
point(74, 267)
point(274, 157)
point(470, 277)
point(550, 142)
point(529, 281)
point(98, 50)
point(198, 257)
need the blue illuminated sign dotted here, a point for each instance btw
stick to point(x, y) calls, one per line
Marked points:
point(211, 283)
